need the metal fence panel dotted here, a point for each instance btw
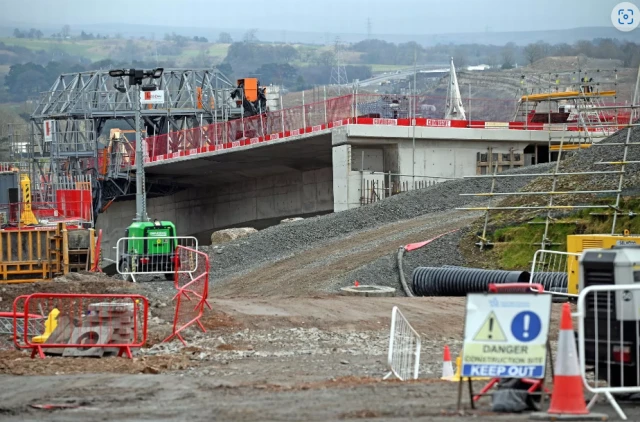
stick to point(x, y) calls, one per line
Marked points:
point(153, 255)
point(404, 348)
point(608, 330)
point(551, 269)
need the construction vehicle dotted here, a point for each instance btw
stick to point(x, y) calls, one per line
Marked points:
point(251, 96)
point(578, 243)
point(611, 318)
point(149, 247)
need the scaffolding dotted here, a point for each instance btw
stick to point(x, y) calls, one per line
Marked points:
point(583, 136)
point(64, 136)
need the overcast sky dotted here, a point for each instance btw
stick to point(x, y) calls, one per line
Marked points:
point(345, 16)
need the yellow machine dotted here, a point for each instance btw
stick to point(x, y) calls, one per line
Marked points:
point(26, 215)
point(577, 243)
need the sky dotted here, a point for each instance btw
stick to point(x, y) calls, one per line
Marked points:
point(345, 16)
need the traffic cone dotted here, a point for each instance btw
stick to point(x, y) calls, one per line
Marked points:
point(457, 378)
point(567, 399)
point(357, 283)
point(447, 367)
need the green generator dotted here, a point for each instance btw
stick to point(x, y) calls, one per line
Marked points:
point(150, 248)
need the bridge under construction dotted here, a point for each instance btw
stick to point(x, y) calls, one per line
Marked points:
point(218, 154)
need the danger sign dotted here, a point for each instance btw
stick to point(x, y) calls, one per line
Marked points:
point(505, 335)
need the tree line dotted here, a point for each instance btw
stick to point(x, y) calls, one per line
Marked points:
point(505, 57)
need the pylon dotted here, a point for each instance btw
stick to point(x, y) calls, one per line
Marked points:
point(457, 378)
point(357, 283)
point(447, 367)
point(567, 399)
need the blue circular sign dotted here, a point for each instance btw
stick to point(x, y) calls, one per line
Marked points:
point(526, 326)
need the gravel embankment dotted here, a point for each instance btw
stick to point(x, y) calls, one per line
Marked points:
point(384, 271)
point(281, 241)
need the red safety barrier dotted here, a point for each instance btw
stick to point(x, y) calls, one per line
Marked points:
point(81, 324)
point(71, 205)
point(375, 109)
point(192, 282)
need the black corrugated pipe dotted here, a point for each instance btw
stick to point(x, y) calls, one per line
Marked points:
point(551, 281)
point(432, 281)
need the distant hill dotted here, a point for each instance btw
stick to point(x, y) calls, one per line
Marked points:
point(497, 38)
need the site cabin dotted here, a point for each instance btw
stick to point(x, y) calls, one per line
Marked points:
point(150, 247)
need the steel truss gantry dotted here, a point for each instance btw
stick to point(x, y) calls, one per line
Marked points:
point(71, 118)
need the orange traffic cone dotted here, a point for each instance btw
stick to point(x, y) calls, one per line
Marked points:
point(447, 367)
point(357, 283)
point(567, 399)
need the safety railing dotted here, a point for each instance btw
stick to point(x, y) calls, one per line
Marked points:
point(404, 348)
point(554, 270)
point(152, 255)
point(192, 283)
point(81, 324)
point(71, 206)
point(363, 109)
point(608, 327)
point(13, 167)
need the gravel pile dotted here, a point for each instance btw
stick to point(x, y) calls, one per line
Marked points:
point(585, 161)
point(281, 241)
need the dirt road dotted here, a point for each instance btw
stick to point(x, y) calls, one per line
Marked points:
point(262, 359)
point(318, 269)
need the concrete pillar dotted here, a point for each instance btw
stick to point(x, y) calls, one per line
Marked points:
point(341, 161)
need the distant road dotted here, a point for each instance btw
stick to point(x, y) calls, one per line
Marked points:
point(401, 75)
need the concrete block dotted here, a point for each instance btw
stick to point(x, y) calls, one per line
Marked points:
point(88, 335)
point(61, 335)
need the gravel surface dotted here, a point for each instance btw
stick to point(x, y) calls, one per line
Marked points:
point(284, 241)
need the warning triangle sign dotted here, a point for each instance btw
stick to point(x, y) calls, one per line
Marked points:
point(490, 330)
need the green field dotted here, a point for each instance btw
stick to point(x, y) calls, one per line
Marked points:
point(95, 50)
point(376, 68)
